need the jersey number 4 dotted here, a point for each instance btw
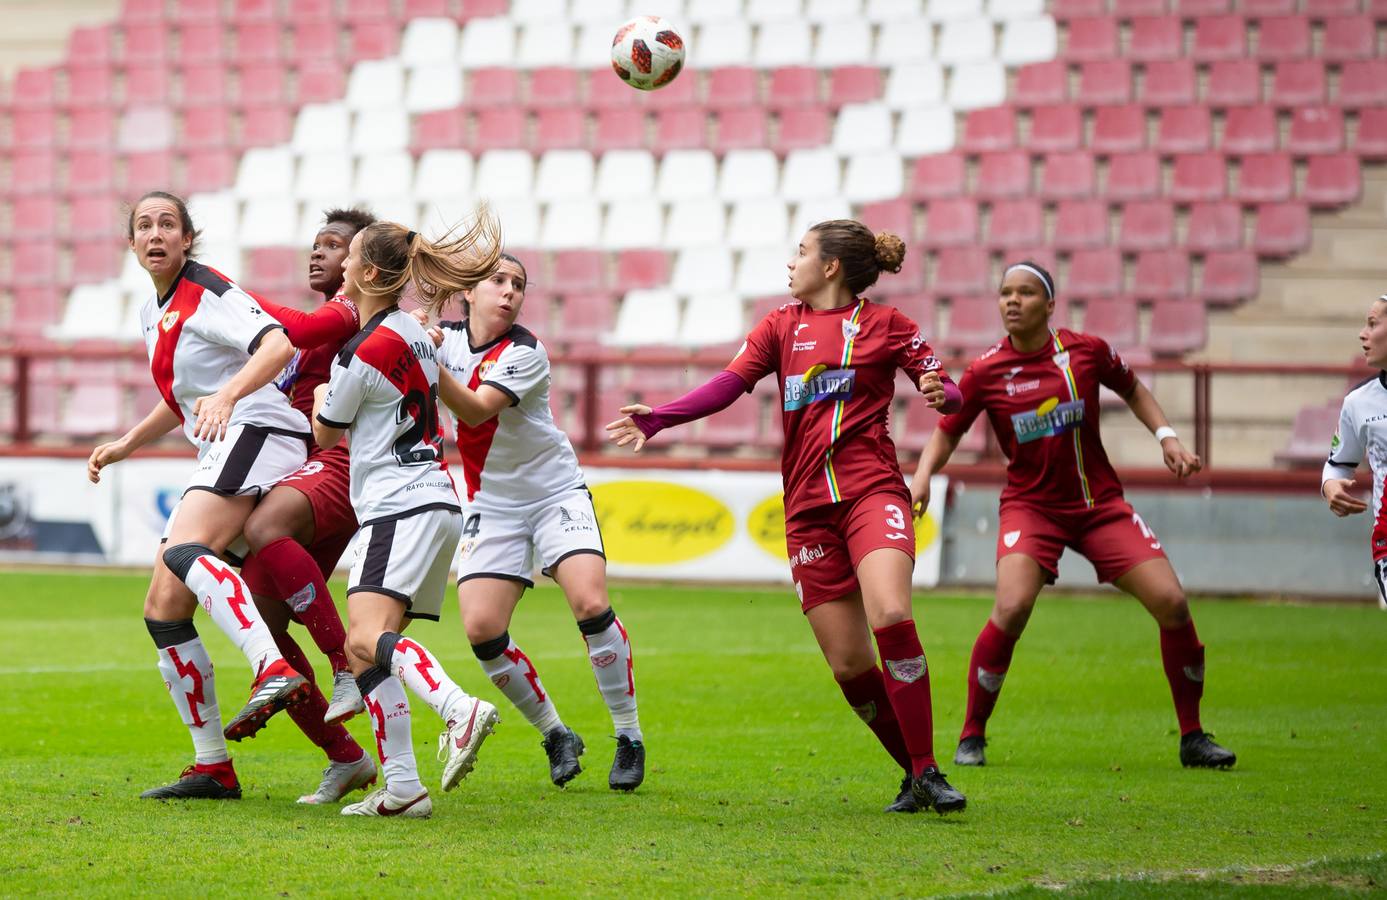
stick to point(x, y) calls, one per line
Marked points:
point(421, 442)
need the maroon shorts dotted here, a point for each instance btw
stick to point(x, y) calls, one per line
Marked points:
point(325, 479)
point(827, 543)
point(1111, 536)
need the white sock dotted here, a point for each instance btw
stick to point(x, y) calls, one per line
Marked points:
point(609, 651)
point(512, 672)
point(221, 592)
point(187, 672)
point(412, 663)
point(388, 706)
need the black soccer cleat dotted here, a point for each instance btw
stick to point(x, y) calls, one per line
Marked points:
point(194, 785)
point(628, 768)
point(278, 687)
point(969, 752)
point(1198, 751)
point(905, 800)
point(563, 746)
point(930, 789)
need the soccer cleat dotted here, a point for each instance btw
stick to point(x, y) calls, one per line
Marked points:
point(563, 746)
point(380, 802)
point(905, 800)
point(969, 752)
point(197, 783)
point(930, 789)
point(628, 768)
point(460, 741)
point(346, 699)
point(340, 779)
point(277, 687)
point(1198, 751)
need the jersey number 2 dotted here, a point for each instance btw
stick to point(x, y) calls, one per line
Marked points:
point(421, 441)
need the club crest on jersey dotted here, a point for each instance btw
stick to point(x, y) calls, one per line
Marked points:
point(485, 367)
point(907, 670)
point(166, 323)
point(1061, 359)
point(851, 329)
point(818, 384)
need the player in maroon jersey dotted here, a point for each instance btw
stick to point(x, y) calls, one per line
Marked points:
point(1039, 387)
point(848, 530)
point(301, 528)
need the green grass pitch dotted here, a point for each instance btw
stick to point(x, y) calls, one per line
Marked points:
point(760, 780)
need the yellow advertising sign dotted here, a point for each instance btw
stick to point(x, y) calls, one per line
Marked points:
point(766, 525)
point(653, 523)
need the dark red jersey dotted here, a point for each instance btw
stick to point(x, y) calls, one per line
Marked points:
point(837, 372)
point(1043, 407)
point(319, 337)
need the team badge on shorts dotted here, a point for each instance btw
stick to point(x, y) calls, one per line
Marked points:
point(907, 670)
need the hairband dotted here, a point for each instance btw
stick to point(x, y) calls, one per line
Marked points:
point(409, 238)
point(1044, 279)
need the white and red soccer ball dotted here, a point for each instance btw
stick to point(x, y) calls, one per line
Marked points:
point(647, 53)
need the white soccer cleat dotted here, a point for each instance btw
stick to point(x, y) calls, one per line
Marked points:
point(340, 779)
point(460, 741)
point(346, 699)
point(380, 802)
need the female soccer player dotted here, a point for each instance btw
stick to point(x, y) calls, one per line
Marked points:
point(384, 391)
point(1363, 431)
point(212, 352)
point(299, 531)
point(848, 529)
point(1039, 388)
point(526, 500)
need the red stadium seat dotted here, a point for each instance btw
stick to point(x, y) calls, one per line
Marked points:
point(91, 171)
point(1177, 327)
point(636, 269)
point(146, 85)
point(681, 92)
point(1003, 175)
point(94, 127)
point(1229, 277)
point(265, 126)
point(1091, 38)
point(1067, 176)
point(854, 84)
point(204, 85)
point(1155, 38)
point(371, 41)
point(321, 81)
point(316, 39)
point(35, 262)
point(259, 42)
point(1363, 83)
point(607, 93)
point(93, 215)
point(1371, 141)
point(794, 86)
point(482, 9)
point(34, 216)
point(1094, 273)
point(1299, 83)
point(1016, 223)
point(1321, 10)
point(1310, 433)
point(687, 129)
point(1199, 177)
point(262, 84)
point(896, 216)
point(35, 309)
point(732, 87)
point(909, 280)
point(989, 129)
point(35, 88)
point(586, 318)
point(247, 12)
point(147, 171)
point(920, 309)
point(1056, 128)
point(369, 12)
point(1161, 274)
point(92, 46)
point(1283, 37)
point(1258, 9)
point(1073, 9)
point(1080, 225)
point(1133, 176)
point(194, 11)
point(33, 172)
point(272, 270)
point(1283, 229)
point(90, 85)
point(1234, 83)
point(1316, 130)
point(1041, 84)
point(97, 259)
point(1349, 38)
point(1265, 178)
point(499, 129)
point(1250, 129)
point(442, 129)
point(1214, 226)
point(958, 271)
point(553, 88)
point(496, 89)
point(560, 129)
point(34, 129)
point(145, 43)
point(1332, 181)
point(1184, 129)
point(741, 129)
point(1118, 129)
point(938, 175)
point(619, 129)
point(1191, 8)
point(1170, 83)
point(201, 44)
point(1114, 319)
point(739, 425)
point(801, 128)
point(1105, 83)
point(580, 271)
point(1131, 9)
point(951, 223)
point(973, 323)
point(1147, 225)
point(1218, 38)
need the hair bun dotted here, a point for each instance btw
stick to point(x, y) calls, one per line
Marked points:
point(890, 252)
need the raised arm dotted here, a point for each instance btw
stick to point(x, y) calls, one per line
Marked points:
point(332, 323)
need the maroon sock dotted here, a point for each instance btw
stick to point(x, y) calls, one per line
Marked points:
point(298, 583)
point(866, 694)
point(907, 686)
point(308, 714)
point(223, 771)
point(986, 669)
point(1183, 658)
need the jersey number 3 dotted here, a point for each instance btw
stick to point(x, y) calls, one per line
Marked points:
point(421, 442)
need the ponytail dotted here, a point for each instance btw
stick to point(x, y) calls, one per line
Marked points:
point(437, 270)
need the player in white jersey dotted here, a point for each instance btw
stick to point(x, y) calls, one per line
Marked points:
point(383, 392)
point(1363, 432)
point(212, 352)
point(527, 504)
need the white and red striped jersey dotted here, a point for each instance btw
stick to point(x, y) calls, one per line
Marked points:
point(201, 333)
point(519, 455)
point(1362, 434)
point(384, 391)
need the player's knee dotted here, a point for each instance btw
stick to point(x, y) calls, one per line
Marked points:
point(361, 644)
point(591, 606)
point(180, 558)
point(849, 666)
point(261, 531)
point(1012, 613)
point(1170, 608)
point(482, 629)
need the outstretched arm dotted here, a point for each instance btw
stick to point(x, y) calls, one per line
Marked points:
point(1177, 459)
point(641, 423)
point(332, 323)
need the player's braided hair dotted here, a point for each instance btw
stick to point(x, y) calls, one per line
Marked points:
point(184, 217)
point(436, 269)
point(863, 255)
point(355, 217)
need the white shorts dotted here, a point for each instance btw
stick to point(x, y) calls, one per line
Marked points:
point(408, 558)
point(249, 461)
point(506, 543)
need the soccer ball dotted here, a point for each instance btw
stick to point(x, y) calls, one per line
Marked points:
point(647, 53)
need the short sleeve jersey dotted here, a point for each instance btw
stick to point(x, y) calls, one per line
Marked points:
point(312, 366)
point(1362, 435)
point(519, 455)
point(384, 391)
point(201, 333)
point(836, 370)
point(1043, 407)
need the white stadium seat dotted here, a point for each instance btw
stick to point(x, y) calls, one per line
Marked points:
point(647, 317)
point(975, 85)
point(749, 173)
point(773, 10)
point(712, 318)
point(384, 174)
point(924, 130)
point(844, 43)
point(594, 46)
point(894, 11)
point(269, 222)
point(131, 328)
point(539, 10)
point(834, 12)
point(700, 12)
point(519, 220)
point(545, 43)
point(785, 43)
point(92, 311)
point(215, 213)
point(434, 86)
point(763, 272)
point(687, 173)
point(862, 126)
point(402, 208)
point(443, 173)
point(905, 41)
point(310, 220)
point(721, 43)
point(571, 223)
point(429, 41)
point(604, 12)
point(673, 10)
point(144, 128)
point(564, 173)
point(487, 43)
point(633, 222)
point(702, 269)
point(376, 84)
point(966, 40)
point(626, 173)
point(1028, 41)
point(376, 130)
point(265, 172)
point(505, 173)
point(811, 212)
point(695, 222)
point(325, 174)
point(874, 175)
point(952, 10)
point(915, 84)
point(321, 126)
point(224, 256)
point(811, 174)
point(760, 222)
point(1015, 9)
